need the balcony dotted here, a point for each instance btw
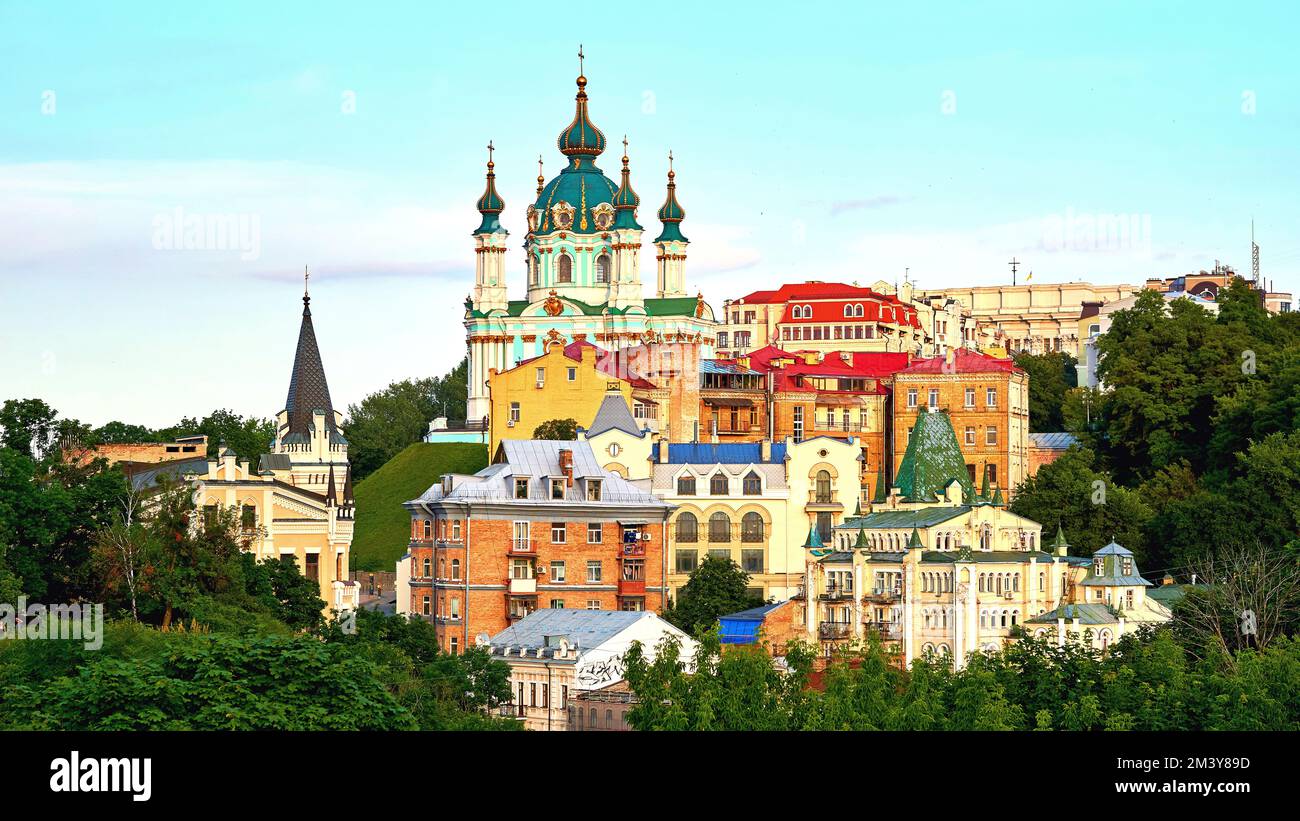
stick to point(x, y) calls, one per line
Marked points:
point(888, 630)
point(835, 593)
point(523, 587)
point(521, 547)
point(883, 595)
point(631, 587)
point(834, 630)
point(824, 499)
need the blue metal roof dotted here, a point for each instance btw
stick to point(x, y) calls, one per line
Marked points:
point(731, 453)
point(714, 366)
point(743, 627)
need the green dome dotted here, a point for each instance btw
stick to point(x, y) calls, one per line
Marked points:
point(583, 186)
point(625, 199)
point(490, 205)
point(671, 212)
point(581, 138)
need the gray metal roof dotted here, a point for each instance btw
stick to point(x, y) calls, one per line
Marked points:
point(614, 414)
point(274, 461)
point(584, 628)
point(1058, 440)
point(145, 476)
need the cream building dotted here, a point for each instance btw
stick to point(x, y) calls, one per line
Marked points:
point(1036, 318)
point(298, 504)
point(936, 567)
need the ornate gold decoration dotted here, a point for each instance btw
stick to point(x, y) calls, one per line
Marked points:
point(699, 305)
point(553, 306)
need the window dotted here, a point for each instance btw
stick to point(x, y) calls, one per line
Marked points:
point(1126, 566)
point(558, 533)
point(911, 397)
point(1098, 567)
point(455, 607)
point(521, 568)
point(991, 435)
point(557, 488)
point(594, 571)
point(521, 488)
point(991, 397)
point(427, 606)
point(718, 485)
point(557, 604)
point(687, 561)
point(934, 398)
point(970, 397)
point(824, 526)
point(532, 270)
point(521, 536)
point(753, 485)
point(593, 490)
point(514, 410)
point(823, 487)
point(312, 570)
point(572, 374)
point(455, 646)
point(564, 268)
point(455, 568)
point(557, 572)
point(685, 485)
point(751, 560)
point(592, 604)
point(719, 528)
point(427, 567)
point(595, 533)
point(602, 268)
point(751, 527)
point(970, 438)
point(688, 528)
point(248, 517)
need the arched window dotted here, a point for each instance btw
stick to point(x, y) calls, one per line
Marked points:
point(848, 310)
point(857, 310)
point(455, 568)
point(796, 312)
point(688, 528)
point(602, 268)
point(428, 530)
point(1015, 617)
point(753, 485)
point(984, 618)
point(564, 273)
point(807, 312)
point(719, 528)
point(823, 487)
point(533, 266)
point(718, 484)
point(594, 724)
point(751, 527)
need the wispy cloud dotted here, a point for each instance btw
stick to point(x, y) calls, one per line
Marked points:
point(867, 204)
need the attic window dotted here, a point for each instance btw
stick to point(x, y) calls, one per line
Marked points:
point(557, 488)
point(521, 488)
point(1098, 566)
point(1126, 566)
point(593, 490)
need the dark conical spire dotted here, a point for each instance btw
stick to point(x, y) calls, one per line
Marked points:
point(330, 490)
point(490, 205)
point(671, 212)
point(882, 486)
point(308, 390)
point(348, 498)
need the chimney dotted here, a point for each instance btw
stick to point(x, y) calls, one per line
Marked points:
point(766, 450)
point(566, 465)
point(950, 356)
point(1167, 580)
point(663, 450)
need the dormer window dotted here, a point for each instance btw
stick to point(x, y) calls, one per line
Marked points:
point(686, 486)
point(593, 490)
point(1098, 566)
point(1126, 566)
point(718, 485)
point(753, 485)
point(521, 488)
point(557, 488)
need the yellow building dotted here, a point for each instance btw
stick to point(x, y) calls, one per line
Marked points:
point(298, 504)
point(565, 382)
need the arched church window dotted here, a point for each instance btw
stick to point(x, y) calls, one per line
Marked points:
point(848, 310)
point(602, 268)
point(857, 310)
point(564, 268)
point(533, 266)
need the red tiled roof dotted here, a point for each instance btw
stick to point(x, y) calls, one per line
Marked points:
point(811, 290)
point(964, 361)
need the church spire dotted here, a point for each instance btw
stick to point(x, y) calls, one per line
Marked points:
point(308, 390)
point(671, 213)
point(581, 138)
point(490, 205)
point(625, 199)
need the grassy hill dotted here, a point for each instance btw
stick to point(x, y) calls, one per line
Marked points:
point(383, 526)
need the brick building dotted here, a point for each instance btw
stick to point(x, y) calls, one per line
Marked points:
point(987, 399)
point(544, 526)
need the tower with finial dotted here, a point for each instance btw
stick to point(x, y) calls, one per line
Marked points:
point(625, 282)
point(490, 246)
point(671, 243)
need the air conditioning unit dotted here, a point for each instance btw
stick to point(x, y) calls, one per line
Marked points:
point(541, 385)
point(510, 423)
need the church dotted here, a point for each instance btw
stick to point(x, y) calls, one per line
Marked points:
point(582, 255)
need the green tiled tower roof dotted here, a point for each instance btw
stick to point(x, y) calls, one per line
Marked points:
point(933, 459)
point(581, 137)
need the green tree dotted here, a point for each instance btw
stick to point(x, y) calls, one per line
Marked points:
point(715, 588)
point(285, 592)
point(1051, 376)
point(248, 437)
point(557, 430)
point(384, 423)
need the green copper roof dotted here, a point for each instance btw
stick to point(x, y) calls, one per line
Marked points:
point(914, 541)
point(1059, 541)
point(1085, 613)
point(984, 485)
point(998, 501)
point(490, 205)
point(666, 306)
point(814, 539)
point(582, 186)
point(625, 199)
point(671, 212)
point(862, 539)
point(933, 459)
point(882, 486)
point(900, 519)
point(581, 137)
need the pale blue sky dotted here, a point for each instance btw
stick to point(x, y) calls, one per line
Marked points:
point(823, 141)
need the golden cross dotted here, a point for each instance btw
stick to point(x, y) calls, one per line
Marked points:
point(305, 276)
point(670, 159)
point(580, 58)
point(490, 150)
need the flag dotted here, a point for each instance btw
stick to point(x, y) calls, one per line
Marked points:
point(1031, 276)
